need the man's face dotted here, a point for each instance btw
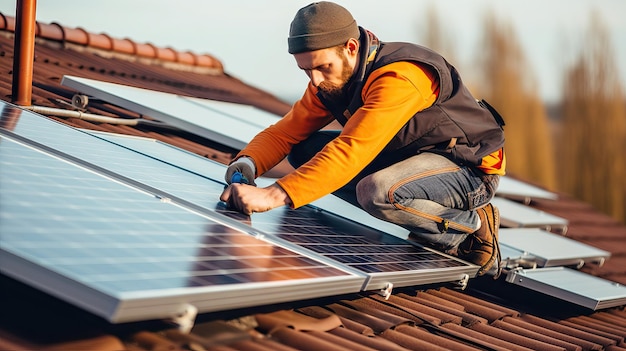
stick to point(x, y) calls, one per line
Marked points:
point(328, 69)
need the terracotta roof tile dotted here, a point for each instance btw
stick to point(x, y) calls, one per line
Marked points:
point(534, 335)
point(320, 312)
point(311, 341)
point(422, 311)
point(390, 312)
point(409, 341)
point(532, 330)
point(426, 300)
point(484, 339)
point(373, 341)
point(596, 326)
point(434, 339)
point(514, 338)
point(377, 324)
point(473, 307)
point(569, 330)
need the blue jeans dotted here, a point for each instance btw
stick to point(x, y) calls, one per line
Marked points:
point(429, 195)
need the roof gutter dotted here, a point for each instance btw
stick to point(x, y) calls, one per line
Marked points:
point(24, 53)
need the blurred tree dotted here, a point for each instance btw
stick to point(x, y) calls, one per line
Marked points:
point(507, 83)
point(594, 126)
point(436, 37)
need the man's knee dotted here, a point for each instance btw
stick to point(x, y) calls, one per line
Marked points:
point(371, 195)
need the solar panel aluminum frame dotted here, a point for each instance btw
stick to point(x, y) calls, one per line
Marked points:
point(166, 304)
point(456, 275)
point(516, 215)
point(570, 285)
point(378, 281)
point(551, 250)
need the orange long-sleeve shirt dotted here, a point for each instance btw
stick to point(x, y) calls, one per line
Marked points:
point(391, 95)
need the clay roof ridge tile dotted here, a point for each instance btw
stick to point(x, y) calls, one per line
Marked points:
point(79, 36)
point(8, 22)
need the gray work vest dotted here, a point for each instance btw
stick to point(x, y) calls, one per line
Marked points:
point(456, 125)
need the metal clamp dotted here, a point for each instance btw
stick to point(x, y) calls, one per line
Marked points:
point(462, 283)
point(386, 291)
point(185, 319)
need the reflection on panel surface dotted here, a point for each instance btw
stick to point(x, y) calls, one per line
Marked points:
point(359, 247)
point(139, 221)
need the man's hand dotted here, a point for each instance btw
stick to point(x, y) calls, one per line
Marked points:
point(249, 199)
point(245, 166)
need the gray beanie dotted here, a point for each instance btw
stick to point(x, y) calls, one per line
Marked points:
point(321, 25)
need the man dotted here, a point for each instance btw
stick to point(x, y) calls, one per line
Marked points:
point(416, 149)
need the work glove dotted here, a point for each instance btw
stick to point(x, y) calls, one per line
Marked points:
point(241, 171)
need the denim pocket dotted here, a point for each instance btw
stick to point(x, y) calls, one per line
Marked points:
point(484, 192)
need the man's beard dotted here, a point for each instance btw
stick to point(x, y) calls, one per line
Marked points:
point(336, 92)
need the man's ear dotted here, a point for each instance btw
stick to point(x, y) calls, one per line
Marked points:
point(353, 46)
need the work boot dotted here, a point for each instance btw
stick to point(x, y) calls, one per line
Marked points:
point(481, 247)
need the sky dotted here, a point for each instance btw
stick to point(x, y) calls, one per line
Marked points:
point(250, 36)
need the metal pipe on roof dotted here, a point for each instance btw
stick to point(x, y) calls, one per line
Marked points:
point(24, 57)
point(51, 111)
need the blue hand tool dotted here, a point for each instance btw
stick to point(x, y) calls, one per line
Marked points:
point(238, 177)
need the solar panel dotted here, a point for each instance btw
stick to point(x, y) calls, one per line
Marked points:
point(398, 262)
point(516, 215)
point(125, 256)
point(214, 120)
point(515, 189)
point(550, 249)
point(359, 258)
point(570, 285)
